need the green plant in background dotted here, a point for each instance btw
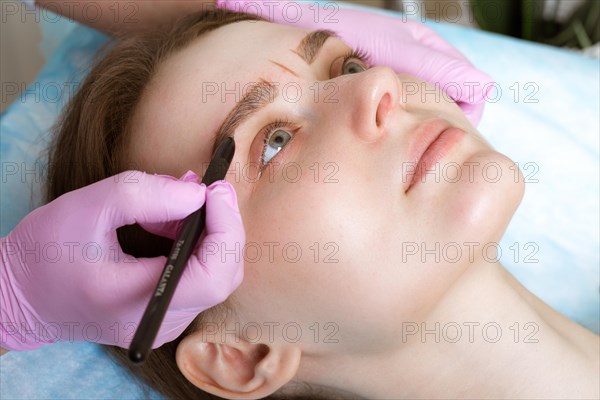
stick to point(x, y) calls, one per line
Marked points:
point(525, 19)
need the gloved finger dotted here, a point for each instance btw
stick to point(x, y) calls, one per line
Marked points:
point(169, 229)
point(128, 287)
point(150, 199)
point(465, 84)
point(430, 38)
point(131, 286)
point(474, 111)
point(213, 271)
point(126, 283)
point(173, 325)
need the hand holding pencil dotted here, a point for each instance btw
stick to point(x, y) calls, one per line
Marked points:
point(79, 285)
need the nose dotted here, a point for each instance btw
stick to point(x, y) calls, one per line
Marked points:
point(372, 99)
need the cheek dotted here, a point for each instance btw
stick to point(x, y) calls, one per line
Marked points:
point(305, 222)
point(310, 253)
point(484, 200)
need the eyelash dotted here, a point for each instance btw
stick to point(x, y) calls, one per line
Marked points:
point(360, 54)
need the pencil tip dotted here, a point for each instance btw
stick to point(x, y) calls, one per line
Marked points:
point(136, 357)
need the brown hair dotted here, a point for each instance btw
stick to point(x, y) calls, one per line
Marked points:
point(89, 145)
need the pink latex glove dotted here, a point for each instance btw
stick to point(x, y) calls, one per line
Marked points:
point(64, 276)
point(406, 46)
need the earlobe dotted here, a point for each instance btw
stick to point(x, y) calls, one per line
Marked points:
point(237, 369)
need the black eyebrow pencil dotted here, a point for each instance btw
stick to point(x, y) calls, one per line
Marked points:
point(183, 246)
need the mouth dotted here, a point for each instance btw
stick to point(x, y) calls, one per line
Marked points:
point(432, 141)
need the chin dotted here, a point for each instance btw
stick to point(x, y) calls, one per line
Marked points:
point(485, 199)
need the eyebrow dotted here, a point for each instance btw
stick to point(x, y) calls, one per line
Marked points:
point(311, 44)
point(263, 92)
point(258, 95)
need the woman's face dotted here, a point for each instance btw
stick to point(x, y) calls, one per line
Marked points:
point(333, 234)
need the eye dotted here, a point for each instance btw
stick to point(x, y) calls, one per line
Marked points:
point(276, 136)
point(352, 68)
point(355, 62)
point(274, 143)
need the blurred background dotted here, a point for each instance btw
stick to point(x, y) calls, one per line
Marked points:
point(566, 23)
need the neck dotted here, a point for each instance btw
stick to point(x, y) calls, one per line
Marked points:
point(488, 337)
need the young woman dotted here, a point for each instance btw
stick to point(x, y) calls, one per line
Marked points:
point(367, 212)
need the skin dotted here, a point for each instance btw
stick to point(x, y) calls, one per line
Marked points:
point(375, 292)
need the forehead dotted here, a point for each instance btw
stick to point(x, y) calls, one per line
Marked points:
point(194, 90)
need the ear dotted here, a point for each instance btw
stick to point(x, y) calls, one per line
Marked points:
point(237, 369)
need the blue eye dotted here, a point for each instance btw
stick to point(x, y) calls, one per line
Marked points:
point(350, 66)
point(275, 139)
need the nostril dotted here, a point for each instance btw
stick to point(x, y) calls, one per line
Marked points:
point(382, 109)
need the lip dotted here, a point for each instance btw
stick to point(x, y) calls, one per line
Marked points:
point(433, 140)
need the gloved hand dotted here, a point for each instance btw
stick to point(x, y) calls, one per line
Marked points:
point(405, 46)
point(64, 276)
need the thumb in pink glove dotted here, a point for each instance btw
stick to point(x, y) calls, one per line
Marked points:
point(404, 45)
point(64, 276)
